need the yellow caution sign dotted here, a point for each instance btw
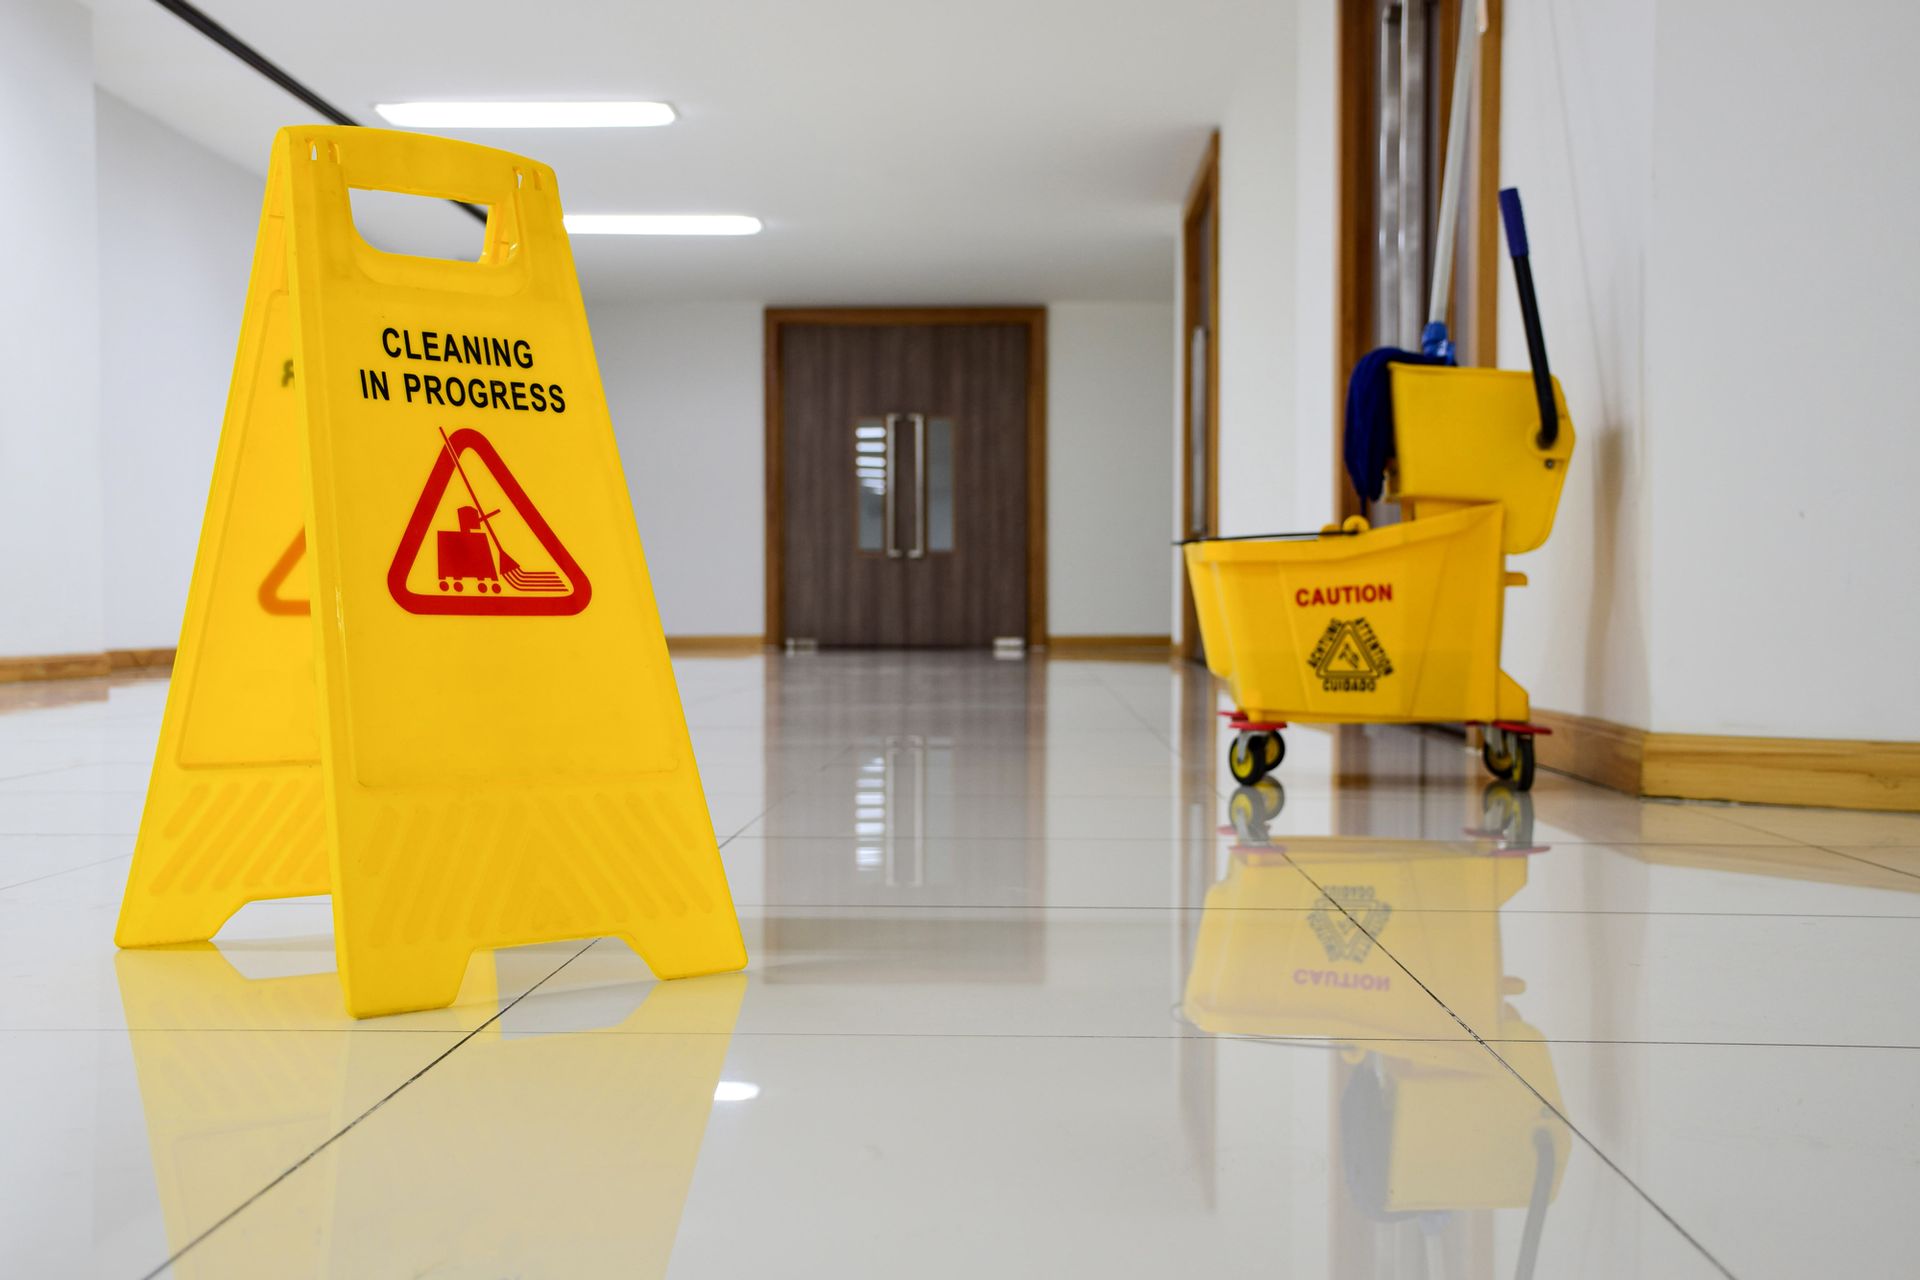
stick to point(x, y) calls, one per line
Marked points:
point(421, 666)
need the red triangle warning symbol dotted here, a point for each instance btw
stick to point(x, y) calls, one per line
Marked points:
point(476, 529)
point(271, 597)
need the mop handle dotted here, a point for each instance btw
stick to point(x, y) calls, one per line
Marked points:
point(1442, 292)
point(478, 505)
point(1530, 314)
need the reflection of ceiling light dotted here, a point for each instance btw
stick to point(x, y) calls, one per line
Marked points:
point(869, 828)
point(866, 446)
point(867, 856)
point(869, 433)
point(735, 1091)
point(525, 115)
point(661, 224)
point(876, 811)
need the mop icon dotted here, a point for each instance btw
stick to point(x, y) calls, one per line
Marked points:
point(468, 553)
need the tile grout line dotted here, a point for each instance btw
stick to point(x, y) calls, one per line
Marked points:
point(42, 773)
point(1144, 723)
point(1728, 812)
point(916, 907)
point(303, 1161)
point(65, 871)
point(1899, 871)
point(1116, 1036)
point(783, 797)
point(1221, 793)
point(1526, 1084)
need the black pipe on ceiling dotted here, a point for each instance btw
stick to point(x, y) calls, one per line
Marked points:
point(240, 49)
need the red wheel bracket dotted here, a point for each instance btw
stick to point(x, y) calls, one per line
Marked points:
point(1516, 726)
point(1238, 720)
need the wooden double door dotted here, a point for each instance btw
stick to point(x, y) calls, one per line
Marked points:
point(904, 482)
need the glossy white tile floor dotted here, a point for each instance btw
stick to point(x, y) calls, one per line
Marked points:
point(1023, 1001)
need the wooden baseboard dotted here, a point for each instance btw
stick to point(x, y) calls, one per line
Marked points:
point(706, 646)
point(1812, 772)
point(1826, 773)
point(1150, 648)
point(140, 659)
point(82, 666)
point(58, 666)
point(1597, 750)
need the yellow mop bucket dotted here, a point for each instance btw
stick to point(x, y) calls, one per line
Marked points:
point(1375, 626)
point(1399, 624)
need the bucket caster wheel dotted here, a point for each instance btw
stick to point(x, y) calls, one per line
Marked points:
point(1254, 755)
point(1509, 757)
point(1250, 809)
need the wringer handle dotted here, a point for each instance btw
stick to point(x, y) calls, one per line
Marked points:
point(1516, 224)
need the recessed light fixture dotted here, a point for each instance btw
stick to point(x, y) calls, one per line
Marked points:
point(525, 115)
point(662, 224)
point(735, 1091)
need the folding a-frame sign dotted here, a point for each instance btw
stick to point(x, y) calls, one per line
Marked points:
point(421, 667)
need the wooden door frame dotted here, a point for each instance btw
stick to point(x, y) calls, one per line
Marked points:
point(1035, 320)
point(1202, 205)
point(1353, 280)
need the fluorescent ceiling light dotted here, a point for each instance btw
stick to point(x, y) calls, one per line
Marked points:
point(525, 115)
point(662, 224)
point(735, 1091)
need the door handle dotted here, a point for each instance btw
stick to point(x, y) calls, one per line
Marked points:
point(893, 473)
point(919, 487)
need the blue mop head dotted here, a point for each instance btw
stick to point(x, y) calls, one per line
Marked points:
point(1369, 434)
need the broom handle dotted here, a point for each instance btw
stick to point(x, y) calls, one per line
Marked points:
point(1530, 314)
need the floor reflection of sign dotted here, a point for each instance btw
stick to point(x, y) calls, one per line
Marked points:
point(1346, 919)
point(472, 571)
point(431, 1192)
point(1349, 657)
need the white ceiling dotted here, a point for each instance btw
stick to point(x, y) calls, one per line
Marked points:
point(899, 151)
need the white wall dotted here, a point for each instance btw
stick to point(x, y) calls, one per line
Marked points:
point(1727, 281)
point(1110, 373)
point(683, 383)
point(1783, 317)
point(49, 333)
point(1316, 382)
point(1576, 138)
point(1277, 211)
point(1260, 430)
point(177, 227)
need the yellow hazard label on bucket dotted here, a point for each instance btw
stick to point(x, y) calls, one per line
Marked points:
point(421, 666)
